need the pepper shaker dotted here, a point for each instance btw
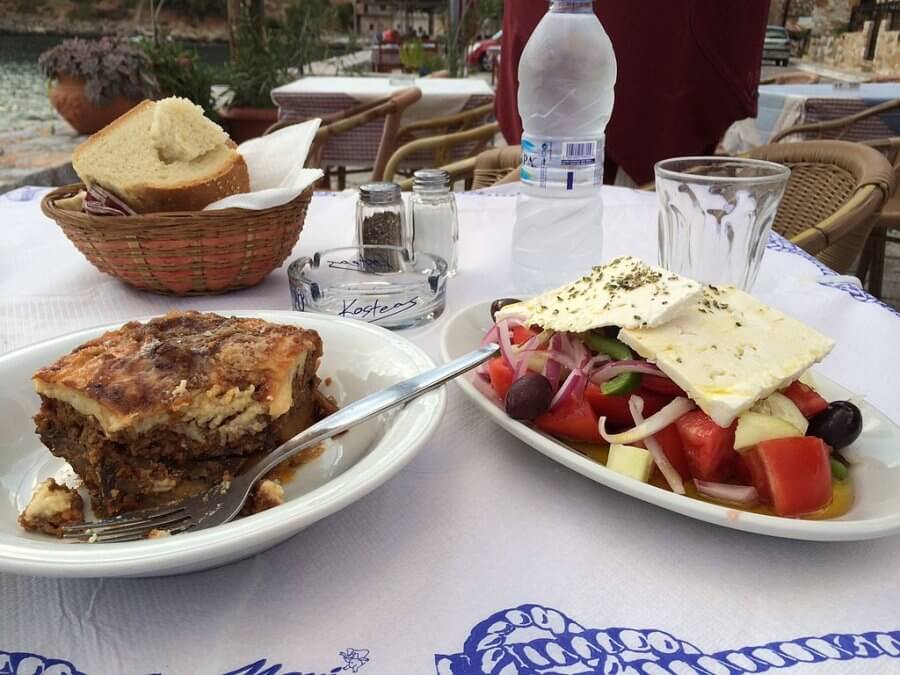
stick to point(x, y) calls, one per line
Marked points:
point(381, 221)
point(433, 218)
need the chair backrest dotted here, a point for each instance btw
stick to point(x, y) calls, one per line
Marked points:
point(835, 191)
point(333, 117)
point(864, 124)
point(442, 147)
point(447, 124)
point(390, 108)
point(496, 165)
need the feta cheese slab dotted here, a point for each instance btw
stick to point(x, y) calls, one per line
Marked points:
point(729, 350)
point(625, 292)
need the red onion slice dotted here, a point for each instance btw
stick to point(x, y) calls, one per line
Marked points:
point(673, 478)
point(653, 424)
point(552, 371)
point(596, 361)
point(573, 386)
point(493, 335)
point(744, 495)
point(609, 370)
point(506, 348)
point(521, 367)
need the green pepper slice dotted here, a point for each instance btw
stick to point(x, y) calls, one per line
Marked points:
point(620, 384)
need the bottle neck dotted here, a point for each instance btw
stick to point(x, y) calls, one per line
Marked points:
point(572, 6)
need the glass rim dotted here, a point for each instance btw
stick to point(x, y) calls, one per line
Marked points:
point(295, 267)
point(779, 172)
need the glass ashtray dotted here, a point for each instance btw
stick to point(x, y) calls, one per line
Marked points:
point(383, 285)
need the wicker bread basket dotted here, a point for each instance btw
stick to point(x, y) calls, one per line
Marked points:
point(187, 253)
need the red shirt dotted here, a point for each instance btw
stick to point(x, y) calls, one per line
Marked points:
point(687, 69)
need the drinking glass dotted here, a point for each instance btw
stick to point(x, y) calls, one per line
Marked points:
point(715, 214)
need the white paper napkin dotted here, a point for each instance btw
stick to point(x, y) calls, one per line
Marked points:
point(275, 163)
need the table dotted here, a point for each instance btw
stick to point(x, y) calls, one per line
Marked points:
point(320, 96)
point(480, 544)
point(785, 105)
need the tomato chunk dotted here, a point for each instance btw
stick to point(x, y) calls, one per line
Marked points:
point(615, 408)
point(798, 474)
point(501, 376)
point(573, 419)
point(672, 446)
point(661, 385)
point(752, 472)
point(708, 447)
point(522, 334)
point(805, 398)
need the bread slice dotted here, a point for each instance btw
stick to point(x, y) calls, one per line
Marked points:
point(163, 156)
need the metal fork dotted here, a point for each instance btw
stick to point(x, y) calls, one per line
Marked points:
point(224, 501)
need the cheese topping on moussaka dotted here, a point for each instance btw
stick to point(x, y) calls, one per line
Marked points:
point(199, 370)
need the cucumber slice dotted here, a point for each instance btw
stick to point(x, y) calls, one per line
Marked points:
point(780, 406)
point(753, 428)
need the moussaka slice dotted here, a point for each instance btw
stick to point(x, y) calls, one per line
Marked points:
point(156, 411)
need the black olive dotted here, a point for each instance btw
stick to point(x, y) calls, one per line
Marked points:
point(529, 397)
point(498, 304)
point(838, 425)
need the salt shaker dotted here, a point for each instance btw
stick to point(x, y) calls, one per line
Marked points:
point(432, 206)
point(381, 221)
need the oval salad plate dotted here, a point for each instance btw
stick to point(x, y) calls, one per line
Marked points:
point(358, 359)
point(875, 457)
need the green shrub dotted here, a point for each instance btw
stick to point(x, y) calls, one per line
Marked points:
point(180, 72)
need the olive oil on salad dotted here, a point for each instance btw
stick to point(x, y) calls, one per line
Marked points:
point(841, 496)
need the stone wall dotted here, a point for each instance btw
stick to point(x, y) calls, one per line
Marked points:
point(848, 50)
point(831, 15)
point(843, 51)
point(887, 51)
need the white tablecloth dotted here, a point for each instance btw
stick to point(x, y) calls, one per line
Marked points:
point(440, 96)
point(482, 556)
point(782, 106)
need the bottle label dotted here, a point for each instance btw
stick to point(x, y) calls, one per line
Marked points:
point(548, 162)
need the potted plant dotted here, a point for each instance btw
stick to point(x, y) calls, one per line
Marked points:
point(94, 82)
point(266, 55)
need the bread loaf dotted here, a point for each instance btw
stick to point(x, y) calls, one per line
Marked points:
point(163, 156)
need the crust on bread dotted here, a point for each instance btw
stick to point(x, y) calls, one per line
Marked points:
point(195, 196)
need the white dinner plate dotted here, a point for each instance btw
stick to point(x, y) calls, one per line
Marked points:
point(358, 358)
point(875, 457)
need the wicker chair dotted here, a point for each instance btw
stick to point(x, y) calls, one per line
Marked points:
point(863, 127)
point(871, 266)
point(442, 146)
point(859, 126)
point(495, 166)
point(390, 108)
point(833, 196)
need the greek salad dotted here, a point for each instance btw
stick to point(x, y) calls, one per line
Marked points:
point(700, 389)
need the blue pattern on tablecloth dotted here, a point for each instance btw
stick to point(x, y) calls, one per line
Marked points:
point(778, 243)
point(26, 663)
point(536, 640)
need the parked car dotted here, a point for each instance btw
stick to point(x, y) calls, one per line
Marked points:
point(478, 53)
point(777, 45)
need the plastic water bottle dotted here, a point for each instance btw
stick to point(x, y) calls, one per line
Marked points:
point(566, 78)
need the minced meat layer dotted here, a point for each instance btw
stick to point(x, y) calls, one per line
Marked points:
point(160, 466)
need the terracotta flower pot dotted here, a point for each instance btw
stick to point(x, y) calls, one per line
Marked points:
point(243, 124)
point(67, 96)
